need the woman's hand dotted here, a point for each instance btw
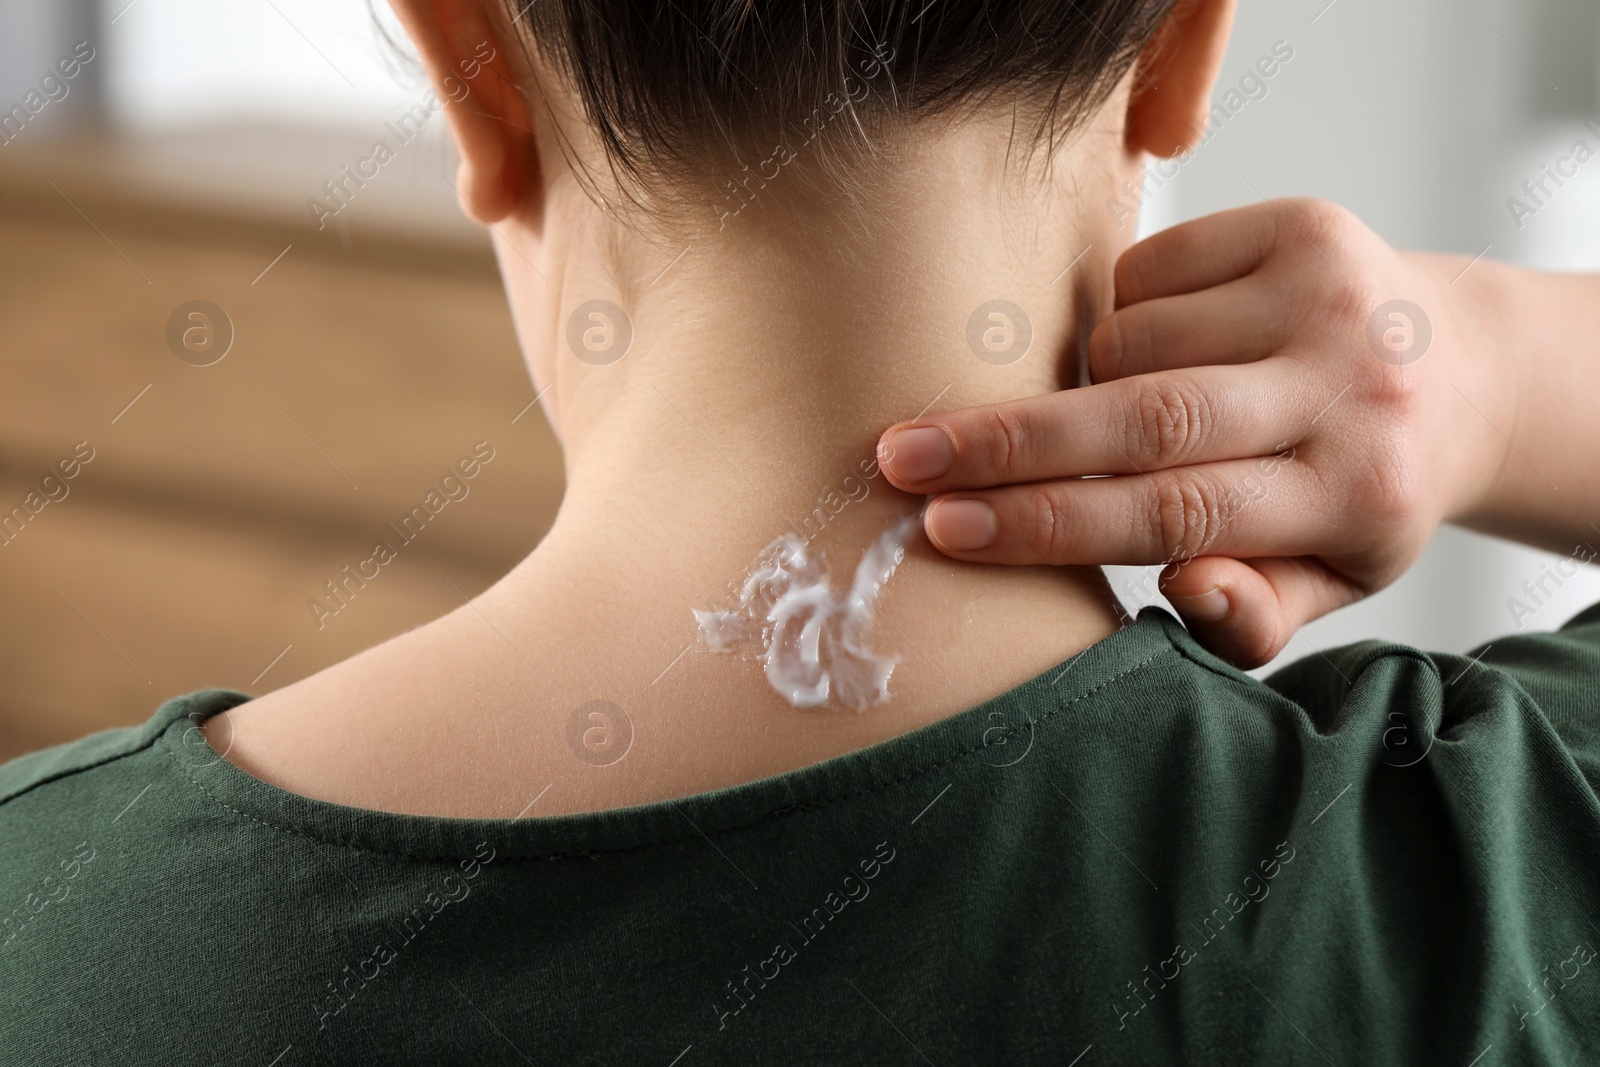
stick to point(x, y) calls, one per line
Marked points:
point(1286, 409)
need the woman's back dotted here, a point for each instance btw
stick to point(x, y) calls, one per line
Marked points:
point(1141, 856)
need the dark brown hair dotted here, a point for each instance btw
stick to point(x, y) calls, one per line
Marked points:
point(668, 83)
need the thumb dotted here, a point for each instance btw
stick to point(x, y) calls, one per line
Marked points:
point(1246, 612)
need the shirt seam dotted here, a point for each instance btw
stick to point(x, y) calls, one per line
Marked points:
point(83, 768)
point(774, 814)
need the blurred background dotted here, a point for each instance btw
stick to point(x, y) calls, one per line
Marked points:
point(263, 385)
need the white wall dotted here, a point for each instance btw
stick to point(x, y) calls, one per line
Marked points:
point(34, 36)
point(182, 62)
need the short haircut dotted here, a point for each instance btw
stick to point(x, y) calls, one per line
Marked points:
point(669, 85)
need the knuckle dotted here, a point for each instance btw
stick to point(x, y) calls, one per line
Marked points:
point(1171, 417)
point(1008, 439)
point(1045, 530)
point(1326, 235)
point(1190, 512)
point(1345, 304)
point(1317, 220)
point(1396, 395)
point(1396, 487)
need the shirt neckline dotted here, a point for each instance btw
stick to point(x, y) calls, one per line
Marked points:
point(892, 765)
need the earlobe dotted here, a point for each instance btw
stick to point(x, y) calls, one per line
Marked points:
point(1170, 99)
point(484, 182)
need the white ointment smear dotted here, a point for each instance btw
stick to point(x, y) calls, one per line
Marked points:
point(815, 645)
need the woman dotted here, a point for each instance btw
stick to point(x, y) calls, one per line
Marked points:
point(737, 766)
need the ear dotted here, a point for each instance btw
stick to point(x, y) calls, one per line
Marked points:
point(1172, 81)
point(472, 59)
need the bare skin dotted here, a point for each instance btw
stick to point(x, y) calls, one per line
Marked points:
point(766, 361)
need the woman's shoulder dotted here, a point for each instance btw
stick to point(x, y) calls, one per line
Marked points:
point(69, 766)
point(64, 808)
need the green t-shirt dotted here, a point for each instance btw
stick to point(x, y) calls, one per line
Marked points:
point(1144, 856)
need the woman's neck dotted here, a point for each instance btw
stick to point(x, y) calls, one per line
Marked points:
point(765, 362)
point(765, 357)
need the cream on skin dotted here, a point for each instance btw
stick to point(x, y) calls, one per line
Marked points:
point(815, 644)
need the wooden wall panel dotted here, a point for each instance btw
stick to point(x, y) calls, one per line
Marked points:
point(221, 500)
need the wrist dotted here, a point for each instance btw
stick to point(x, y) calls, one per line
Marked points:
point(1479, 372)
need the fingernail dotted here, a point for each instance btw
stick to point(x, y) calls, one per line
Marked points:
point(919, 454)
point(962, 525)
point(1210, 606)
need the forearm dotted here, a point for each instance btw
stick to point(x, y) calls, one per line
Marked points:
point(1537, 337)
